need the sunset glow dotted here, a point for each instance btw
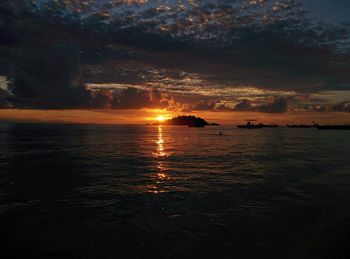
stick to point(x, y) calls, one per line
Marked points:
point(160, 118)
point(150, 116)
point(175, 128)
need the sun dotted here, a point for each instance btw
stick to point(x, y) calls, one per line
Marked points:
point(160, 118)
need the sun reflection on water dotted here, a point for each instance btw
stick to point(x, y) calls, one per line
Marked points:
point(160, 177)
point(160, 143)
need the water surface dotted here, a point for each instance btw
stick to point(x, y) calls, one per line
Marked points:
point(90, 191)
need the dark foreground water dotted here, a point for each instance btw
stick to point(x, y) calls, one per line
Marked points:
point(69, 191)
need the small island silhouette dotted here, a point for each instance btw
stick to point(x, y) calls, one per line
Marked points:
point(191, 121)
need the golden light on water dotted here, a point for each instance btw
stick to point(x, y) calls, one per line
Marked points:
point(160, 143)
point(160, 177)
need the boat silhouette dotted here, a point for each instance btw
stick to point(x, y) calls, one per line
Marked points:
point(250, 125)
point(332, 127)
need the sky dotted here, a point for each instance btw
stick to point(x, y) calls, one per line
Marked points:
point(333, 11)
point(129, 61)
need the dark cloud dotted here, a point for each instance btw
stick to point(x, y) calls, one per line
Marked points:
point(244, 105)
point(204, 105)
point(342, 107)
point(180, 44)
point(277, 105)
point(319, 105)
point(102, 99)
point(4, 103)
point(223, 108)
point(328, 107)
point(133, 98)
point(49, 78)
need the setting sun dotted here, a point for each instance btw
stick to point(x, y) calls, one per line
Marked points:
point(160, 118)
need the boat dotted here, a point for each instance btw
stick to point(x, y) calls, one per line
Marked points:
point(300, 126)
point(332, 127)
point(250, 125)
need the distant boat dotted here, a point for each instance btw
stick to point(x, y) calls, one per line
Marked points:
point(250, 125)
point(332, 127)
point(301, 126)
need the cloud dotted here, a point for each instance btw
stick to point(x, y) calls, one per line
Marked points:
point(204, 106)
point(274, 105)
point(133, 98)
point(277, 105)
point(49, 79)
point(102, 99)
point(4, 103)
point(223, 106)
point(342, 107)
point(194, 52)
point(318, 105)
point(244, 105)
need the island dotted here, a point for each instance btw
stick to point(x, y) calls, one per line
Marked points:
point(191, 121)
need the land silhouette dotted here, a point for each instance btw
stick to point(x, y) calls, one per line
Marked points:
point(191, 121)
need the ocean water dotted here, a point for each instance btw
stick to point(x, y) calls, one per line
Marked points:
point(93, 191)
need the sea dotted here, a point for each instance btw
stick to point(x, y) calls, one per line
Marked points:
point(138, 191)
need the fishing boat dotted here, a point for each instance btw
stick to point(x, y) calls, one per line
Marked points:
point(250, 125)
point(332, 127)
